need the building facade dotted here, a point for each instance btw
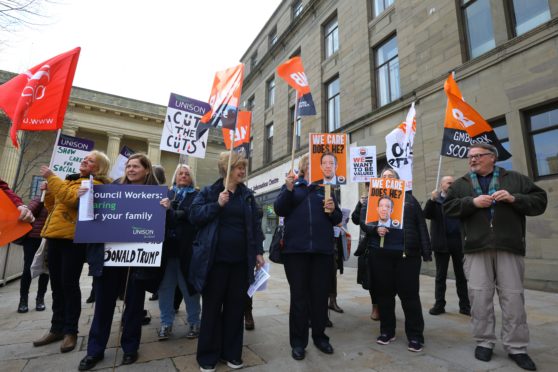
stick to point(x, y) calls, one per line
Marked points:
point(368, 60)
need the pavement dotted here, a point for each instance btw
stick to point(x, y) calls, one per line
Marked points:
point(448, 342)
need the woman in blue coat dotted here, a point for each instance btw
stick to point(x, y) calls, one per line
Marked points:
point(226, 251)
point(307, 256)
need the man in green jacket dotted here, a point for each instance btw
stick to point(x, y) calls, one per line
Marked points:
point(492, 203)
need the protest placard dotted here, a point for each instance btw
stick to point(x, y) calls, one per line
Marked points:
point(68, 154)
point(328, 158)
point(362, 163)
point(133, 254)
point(386, 202)
point(119, 165)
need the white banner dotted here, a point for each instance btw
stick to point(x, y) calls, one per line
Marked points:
point(68, 154)
point(362, 163)
point(399, 148)
point(133, 254)
point(119, 165)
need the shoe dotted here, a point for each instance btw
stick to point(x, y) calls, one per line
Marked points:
point(385, 339)
point(436, 310)
point(69, 343)
point(89, 362)
point(164, 332)
point(154, 297)
point(333, 305)
point(146, 317)
point(235, 364)
point(328, 324)
point(298, 353)
point(249, 321)
point(194, 331)
point(324, 347)
point(415, 346)
point(22, 307)
point(483, 353)
point(91, 298)
point(40, 304)
point(523, 361)
point(207, 368)
point(466, 311)
point(49, 338)
point(129, 358)
point(375, 313)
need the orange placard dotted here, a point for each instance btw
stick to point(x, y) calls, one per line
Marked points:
point(328, 158)
point(10, 227)
point(386, 202)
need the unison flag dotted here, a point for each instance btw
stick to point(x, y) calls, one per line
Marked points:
point(463, 126)
point(37, 99)
point(239, 138)
point(399, 148)
point(224, 100)
point(293, 73)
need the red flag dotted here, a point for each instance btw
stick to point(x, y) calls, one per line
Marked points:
point(292, 71)
point(37, 99)
point(241, 134)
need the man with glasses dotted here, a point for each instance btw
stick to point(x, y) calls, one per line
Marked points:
point(492, 203)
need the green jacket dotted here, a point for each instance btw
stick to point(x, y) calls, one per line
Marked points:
point(508, 226)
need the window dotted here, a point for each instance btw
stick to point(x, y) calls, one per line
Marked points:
point(333, 105)
point(35, 184)
point(478, 26)
point(272, 37)
point(501, 130)
point(331, 37)
point(250, 103)
point(297, 8)
point(529, 14)
point(542, 127)
point(387, 72)
point(253, 61)
point(297, 129)
point(268, 155)
point(270, 91)
point(380, 6)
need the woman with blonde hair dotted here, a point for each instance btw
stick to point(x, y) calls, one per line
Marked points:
point(227, 249)
point(66, 258)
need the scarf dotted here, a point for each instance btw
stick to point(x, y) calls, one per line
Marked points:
point(492, 187)
point(180, 192)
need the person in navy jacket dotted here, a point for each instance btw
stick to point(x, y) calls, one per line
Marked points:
point(226, 251)
point(307, 256)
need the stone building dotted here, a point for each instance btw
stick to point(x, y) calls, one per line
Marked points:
point(368, 60)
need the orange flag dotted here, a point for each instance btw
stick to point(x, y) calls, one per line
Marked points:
point(37, 99)
point(293, 73)
point(10, 227)
point(241, 134)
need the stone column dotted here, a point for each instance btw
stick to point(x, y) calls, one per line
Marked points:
point(69, 130)
point(113, 147)
point(153, 152)
point(10, 159)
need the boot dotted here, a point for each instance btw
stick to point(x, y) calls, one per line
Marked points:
point(69, 343)
point(91, 297)
point(49, 338)
point(40, 304)
point(22, 307)
point(375, 312)
point(248, 320)
point(333, 304)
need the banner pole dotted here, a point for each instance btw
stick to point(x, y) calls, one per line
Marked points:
point(231, 150)
point(438, 175)
point(295, 119)
point(51, 159)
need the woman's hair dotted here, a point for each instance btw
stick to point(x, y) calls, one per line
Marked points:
point(237, 160)
point(177, 170)
point(391, 170)
point(302, 163)
point(146, 163)
point(103, 163)
point(159, 173)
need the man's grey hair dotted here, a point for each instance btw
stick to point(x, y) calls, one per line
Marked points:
point(485, 146)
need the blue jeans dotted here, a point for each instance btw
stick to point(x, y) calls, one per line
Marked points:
point(173, 277)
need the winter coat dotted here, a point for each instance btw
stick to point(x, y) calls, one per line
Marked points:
point(11, 195)
point(204, 214)
point(37, 207)
point(445, 235)
point(308, 229)
point(507, 232)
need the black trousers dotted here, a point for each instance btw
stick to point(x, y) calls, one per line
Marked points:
point(222, 322)
point(107, 289)
point(309, 277)
point(397, 275)
point(30, 247)
point(442, 263)
point(65, 262)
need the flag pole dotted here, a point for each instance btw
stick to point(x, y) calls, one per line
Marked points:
point(439, 170)
point(295, 119)
point(51, 159)
point(231, 150)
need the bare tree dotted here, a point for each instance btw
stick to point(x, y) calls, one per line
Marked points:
point(17, 13)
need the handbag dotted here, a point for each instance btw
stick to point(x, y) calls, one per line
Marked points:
point(276, 245)
point(40, 265)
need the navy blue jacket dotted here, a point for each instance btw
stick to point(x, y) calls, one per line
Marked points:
point(308, 229)
point(204, 213)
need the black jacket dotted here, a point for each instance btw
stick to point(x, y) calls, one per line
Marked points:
point(204, 214)
point(442, 237)
point(308, 229)
point(415, 234)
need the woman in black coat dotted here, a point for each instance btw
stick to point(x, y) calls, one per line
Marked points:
point(395, 269)
point(226, 251)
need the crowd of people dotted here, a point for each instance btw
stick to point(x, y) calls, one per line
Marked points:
point(214, 244)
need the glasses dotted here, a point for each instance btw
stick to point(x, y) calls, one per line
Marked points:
point(478, 156)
